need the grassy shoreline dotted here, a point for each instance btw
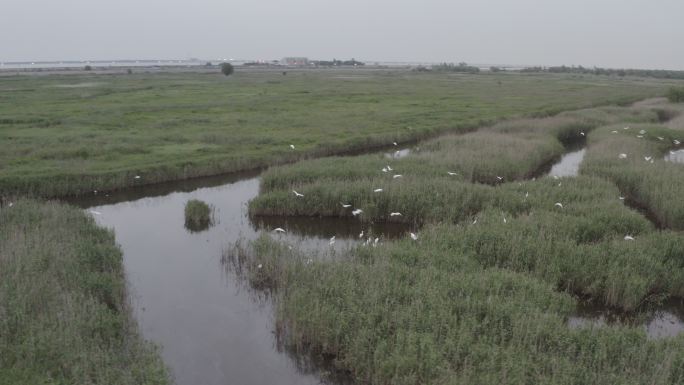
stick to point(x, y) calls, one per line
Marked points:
point(65, 318)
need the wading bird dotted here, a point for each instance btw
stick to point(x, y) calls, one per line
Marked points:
point(629, 238)
point(332, 240)
point(622, 156)
point(395, 214)
point(559, 204)
point(452, 173)
point(279, 230)
point(137, 177)
point(414, 236)
point(648, 158)
point(345, 205)
point(297, 194)
point(397, 176)
point(292, 146)
point(356, 212)
point(377, 190)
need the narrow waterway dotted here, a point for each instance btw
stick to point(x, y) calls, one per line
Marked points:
point(211, 328)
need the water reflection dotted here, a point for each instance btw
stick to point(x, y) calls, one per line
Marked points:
point(398, 154)
point(675, 156)
point(662, 322)
point(569, 164)
point(211, 330)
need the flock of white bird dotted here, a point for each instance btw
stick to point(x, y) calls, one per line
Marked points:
point(388, 168)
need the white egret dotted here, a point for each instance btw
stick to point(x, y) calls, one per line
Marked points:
point(298, 195)
point(414, 236)
point(279, 230)
point(397, 176)
point(394, 143)
point(137, 177)
point(475, 221)
point(614, 132)
point(395, 214)
point(292, 146)
point(640, 136)
point(389, 168)
point(629, 238)
point(356, 212)
point(499, 177)
point(504, 220)
point(648, 158)
point(332, 240)
point(361, 234)
point(10, 204)
point(676, 142)
point(259, 266)
point(559, 204)
point(527, 193)
point(377, 190)
point(452, 173)
point(661, 138)
point(345, 205)
point(582, 133)
point(621, 198)
point(622, 156)
point(384, 169)
point(642, 132)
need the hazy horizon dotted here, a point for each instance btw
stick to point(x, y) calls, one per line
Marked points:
point(603, 33)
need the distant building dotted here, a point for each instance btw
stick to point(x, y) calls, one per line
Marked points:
point(295, 61)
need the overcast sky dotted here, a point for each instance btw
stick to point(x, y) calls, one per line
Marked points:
point(607, 33)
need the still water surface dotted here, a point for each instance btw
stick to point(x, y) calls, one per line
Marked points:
point(212, 328)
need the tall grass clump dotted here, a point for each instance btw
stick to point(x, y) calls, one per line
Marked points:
point(198, 215)
point(675, 94)
point(64, 317)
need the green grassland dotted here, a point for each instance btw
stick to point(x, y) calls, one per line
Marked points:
point(69, 134)
point(64, 315)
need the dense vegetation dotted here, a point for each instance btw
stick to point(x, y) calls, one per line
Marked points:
point(484, 293)
point(659, 74)
point(64, 316)
point(78, 133)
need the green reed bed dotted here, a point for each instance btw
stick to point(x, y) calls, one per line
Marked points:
point(484, 294)
point(656, 185)
point(436, 311)
point(64, 316)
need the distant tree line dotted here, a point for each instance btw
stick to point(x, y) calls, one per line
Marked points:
point(449, 67)
point(660, 74)
point(335, 62)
